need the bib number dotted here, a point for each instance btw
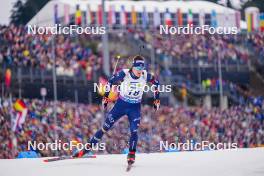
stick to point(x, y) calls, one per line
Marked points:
point(134, 93)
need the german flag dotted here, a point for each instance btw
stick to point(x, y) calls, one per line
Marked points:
point(20, 105)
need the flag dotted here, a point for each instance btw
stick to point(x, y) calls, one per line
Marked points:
point(88, 15)
point(21, 109)
point(249, 22)
point(56, 18)
point(66, 14)
point(134, 16)
point(213, 19)
point(190, 17)
point(261, 22)
point(8, 75)
point(123, 19)
point(167, 18)
point(156, 17)
point(144, 17)
point(19, 105)
point(252, 18)
point(238, 19)
point(78, 15)
point(111, 15)
point(100, 15)
point(255, 19)
point(179, 15)
point(202, 17)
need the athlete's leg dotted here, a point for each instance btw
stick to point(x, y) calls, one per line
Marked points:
point(134, 121)
point(111, 117)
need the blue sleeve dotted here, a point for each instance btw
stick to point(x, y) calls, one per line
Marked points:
point(155, 82)
point(119, 76)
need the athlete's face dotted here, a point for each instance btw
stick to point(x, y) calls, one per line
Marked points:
point(137, 71)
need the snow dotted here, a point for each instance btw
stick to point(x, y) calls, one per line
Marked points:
point(240, 162)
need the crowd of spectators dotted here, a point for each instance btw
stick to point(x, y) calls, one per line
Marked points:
point(237, 124)
point(257, 41)
point(82, 53)
point(20, 48)
point(74, 52)
point(206, 46)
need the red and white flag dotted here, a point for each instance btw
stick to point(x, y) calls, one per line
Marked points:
point(167, 17)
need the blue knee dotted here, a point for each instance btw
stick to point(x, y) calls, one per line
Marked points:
point(109, 122)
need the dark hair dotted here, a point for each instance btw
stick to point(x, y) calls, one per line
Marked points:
point(134, 59)
point(137, 57)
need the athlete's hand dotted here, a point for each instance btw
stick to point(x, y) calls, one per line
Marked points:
point(156, 104)
point(105, 102)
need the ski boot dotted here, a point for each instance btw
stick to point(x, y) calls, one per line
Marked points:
point(131, 157)
point(81, 153)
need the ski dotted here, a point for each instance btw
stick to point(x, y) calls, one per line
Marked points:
point(67, 157)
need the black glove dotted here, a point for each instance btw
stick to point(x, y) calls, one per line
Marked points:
point(105, 102)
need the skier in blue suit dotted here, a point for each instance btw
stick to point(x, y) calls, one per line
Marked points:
point(131, 89)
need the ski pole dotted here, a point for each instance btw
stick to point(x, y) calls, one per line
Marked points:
point(118, 57)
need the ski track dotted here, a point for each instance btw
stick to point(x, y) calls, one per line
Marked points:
point(240, 162)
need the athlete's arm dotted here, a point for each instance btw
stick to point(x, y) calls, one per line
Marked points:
point(155, 82)
point(119, 76)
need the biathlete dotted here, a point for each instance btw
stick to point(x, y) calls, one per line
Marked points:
point(132, 85)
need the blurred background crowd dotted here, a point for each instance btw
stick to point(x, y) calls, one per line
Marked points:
point(241, 123)
point(79, 122)
point(75, 52)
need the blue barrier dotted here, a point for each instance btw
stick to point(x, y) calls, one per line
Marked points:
point(27, 154)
